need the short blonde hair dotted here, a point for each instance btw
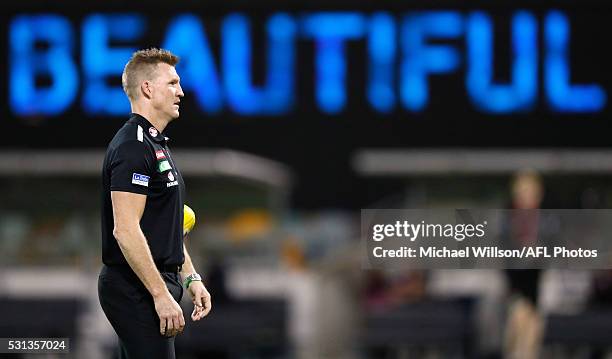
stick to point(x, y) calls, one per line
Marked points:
point(527, 177)
point(142, 67)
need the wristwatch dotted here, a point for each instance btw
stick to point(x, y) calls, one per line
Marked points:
point(191, 278)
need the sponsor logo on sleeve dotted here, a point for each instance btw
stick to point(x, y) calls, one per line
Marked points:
point(140, 180)
point(160, 154)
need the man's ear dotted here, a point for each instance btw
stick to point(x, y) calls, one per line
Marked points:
point(145, 88)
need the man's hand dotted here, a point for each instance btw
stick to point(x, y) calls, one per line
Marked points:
point(201, 300)
point(171, 321)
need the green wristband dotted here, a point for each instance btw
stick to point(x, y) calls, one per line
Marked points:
point(191, 278)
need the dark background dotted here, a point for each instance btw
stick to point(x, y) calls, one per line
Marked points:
point(319, 147)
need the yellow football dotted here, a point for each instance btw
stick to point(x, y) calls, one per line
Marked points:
point(189, 219)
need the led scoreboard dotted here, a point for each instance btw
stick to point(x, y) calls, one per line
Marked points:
point(401, 53)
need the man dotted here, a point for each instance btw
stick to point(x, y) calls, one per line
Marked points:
point(525, 325)
point(142, 219)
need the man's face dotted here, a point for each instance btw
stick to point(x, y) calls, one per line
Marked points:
point(167, 91)
point(527, 194)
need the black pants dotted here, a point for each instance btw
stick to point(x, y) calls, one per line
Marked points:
point(129, 307)
point(525, 282)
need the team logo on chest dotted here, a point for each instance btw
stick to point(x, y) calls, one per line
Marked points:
point(172, 180)
point(162, 162)
point(153, 131)
point(163, 166)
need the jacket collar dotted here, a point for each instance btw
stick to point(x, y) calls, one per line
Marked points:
point(149, 130)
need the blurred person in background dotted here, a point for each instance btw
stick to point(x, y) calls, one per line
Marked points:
point(524, 326)
point(142, 218)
